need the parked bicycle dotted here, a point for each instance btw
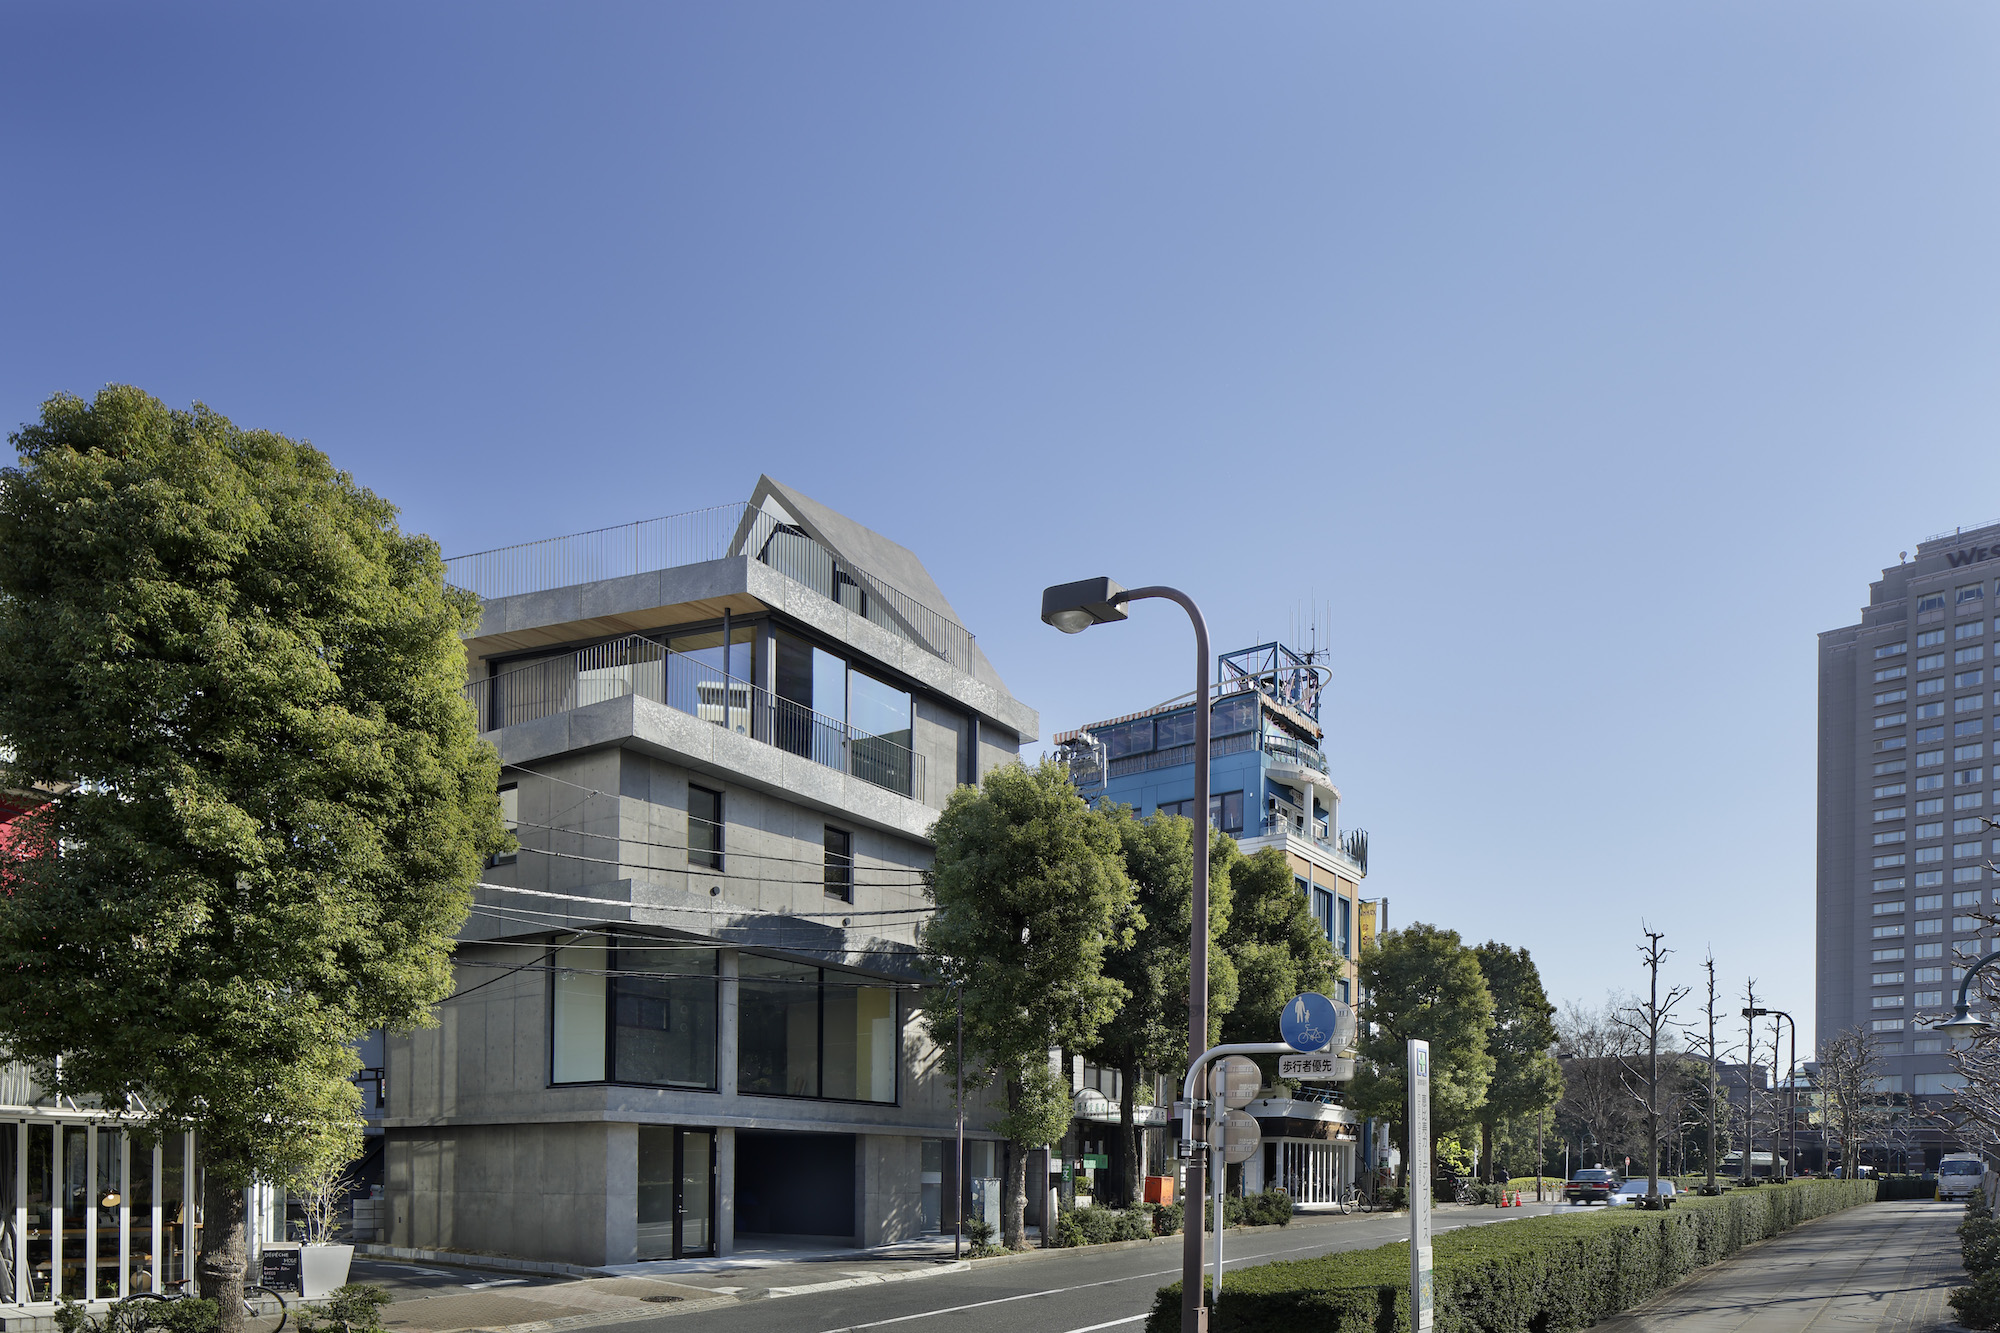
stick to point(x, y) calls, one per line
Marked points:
point(1348, 1200)
point(264, 1310)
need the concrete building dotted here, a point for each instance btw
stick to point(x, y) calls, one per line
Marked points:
point(1269, 787)
point(1906, 723)
point(686, 1008)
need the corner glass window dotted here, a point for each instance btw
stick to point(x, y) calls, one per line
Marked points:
point(1234, 715)
point(641, 1012)
point(809, 1032)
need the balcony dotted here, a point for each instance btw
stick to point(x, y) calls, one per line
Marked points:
point(1350, 846)
point(643, 667)
point(700, 535)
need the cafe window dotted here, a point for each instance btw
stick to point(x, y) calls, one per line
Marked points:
point(638, 1011)
point(805, 1031)
point(1225, 811)
point(1128, 738)
point(1174, 729)
point(1235, 714)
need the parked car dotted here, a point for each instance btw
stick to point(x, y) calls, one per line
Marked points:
point(1592, 1184)
point(1635, 1189)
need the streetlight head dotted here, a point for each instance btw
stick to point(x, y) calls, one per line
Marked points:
point(1073, 621)
point(1755, 1013)
point(1075, 607)
point(1963, 1024)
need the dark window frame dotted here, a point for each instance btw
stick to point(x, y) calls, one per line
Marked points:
point(611, 980)
point(508, 858)
point(899, 1016)
point(715, 856)
point(838, 866)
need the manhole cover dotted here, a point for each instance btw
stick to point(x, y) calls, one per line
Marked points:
point(661, 1300)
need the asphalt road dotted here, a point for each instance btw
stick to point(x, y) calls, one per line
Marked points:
point(1069, 1292)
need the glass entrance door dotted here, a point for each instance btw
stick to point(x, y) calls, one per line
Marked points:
point(694, 1229)
point(676, 1193)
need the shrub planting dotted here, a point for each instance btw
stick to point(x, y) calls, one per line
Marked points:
point(1978, 1305)
point(1533, 1275)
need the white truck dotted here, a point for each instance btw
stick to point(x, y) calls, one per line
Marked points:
point(1959, 1174)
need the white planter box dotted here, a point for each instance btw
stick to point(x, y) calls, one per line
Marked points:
point(322, 1268)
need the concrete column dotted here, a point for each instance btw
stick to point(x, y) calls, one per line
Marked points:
point(726, 1021)
point(621, 1193)
point(725, 1077)
point(725, 1191)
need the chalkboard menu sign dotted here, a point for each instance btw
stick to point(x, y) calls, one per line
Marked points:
point(281, 1269)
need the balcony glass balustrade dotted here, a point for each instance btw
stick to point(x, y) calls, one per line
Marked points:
point(640, 666)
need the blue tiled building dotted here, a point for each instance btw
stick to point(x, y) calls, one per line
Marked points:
point(1269, 780)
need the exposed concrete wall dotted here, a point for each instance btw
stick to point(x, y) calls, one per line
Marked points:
point(942, 735)
point(891, 1194)
point(549, 1192)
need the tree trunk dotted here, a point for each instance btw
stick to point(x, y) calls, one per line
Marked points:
point(224, 1237)
point(1486, 1149)
point(1014, 1226)
point(1128, 1135)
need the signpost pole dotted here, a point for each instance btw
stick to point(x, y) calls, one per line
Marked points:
point(1215, 1175)
point(1419, 1074)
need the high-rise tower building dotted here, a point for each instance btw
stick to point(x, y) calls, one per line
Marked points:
point(1907, 716)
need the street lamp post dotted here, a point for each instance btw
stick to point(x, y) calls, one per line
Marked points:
point(1791, 1089)
point(1073, 608)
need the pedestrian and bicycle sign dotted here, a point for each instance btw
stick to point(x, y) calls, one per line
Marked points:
point(1308, 1022)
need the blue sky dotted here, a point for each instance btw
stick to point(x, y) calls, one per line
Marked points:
point(1584, 359)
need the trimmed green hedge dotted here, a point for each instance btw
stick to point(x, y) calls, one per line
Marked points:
point(1532, 1275)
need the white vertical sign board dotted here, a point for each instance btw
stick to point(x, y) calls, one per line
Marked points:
point(1420, 1185)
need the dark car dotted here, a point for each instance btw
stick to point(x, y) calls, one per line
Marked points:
point(1591, 1185)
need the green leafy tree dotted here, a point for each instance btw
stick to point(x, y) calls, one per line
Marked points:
point(1150, 1031)
point(1422, 983)
point(244, 684)
point(1526, 1078)
point(1030, 890)
point(1279, 949)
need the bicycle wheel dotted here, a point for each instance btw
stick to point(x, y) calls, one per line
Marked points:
point(137, 1312)
point(264, 1310)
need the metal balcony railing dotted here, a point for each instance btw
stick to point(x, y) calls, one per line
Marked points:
point(645, 667)
point(1287, 747)
point(706, 534)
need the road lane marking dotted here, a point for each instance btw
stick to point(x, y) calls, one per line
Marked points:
point(1061, 1291)
point(1092, 1328)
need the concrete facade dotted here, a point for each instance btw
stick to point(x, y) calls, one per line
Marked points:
point(1907, 722)
point(652, 1002)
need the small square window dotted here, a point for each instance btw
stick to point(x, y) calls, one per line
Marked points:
point(510, 817)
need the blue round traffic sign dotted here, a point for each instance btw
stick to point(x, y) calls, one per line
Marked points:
point(1307, 1021)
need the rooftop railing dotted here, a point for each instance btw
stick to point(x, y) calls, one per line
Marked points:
point(707, 534)
point(645, 667)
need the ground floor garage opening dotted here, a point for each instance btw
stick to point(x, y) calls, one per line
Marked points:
point(795, 1185)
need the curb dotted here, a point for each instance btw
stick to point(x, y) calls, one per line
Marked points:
point(604, 1317)
point(491, 1262)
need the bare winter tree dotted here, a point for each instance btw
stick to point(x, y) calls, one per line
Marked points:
point(1645, 1024)
point(1594, 1104)
point(1702, 1038)
point(1849, 1065)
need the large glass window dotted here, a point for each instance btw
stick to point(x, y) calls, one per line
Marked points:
point(1238, 713)
point(1127, 738)
point(1174, 729)
point(641, 1012)
point(879, 716)
point(712, 679)
point(807, 1032)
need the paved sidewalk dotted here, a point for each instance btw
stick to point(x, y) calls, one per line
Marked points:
point(1882, 1266)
